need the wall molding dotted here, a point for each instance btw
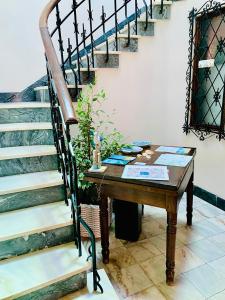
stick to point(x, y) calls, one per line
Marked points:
point(209, 197)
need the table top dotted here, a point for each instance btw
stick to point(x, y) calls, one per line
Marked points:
point(113, 172)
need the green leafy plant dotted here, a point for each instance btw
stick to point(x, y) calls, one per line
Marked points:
point(92, 118)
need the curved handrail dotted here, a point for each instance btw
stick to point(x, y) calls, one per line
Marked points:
point(56, 71)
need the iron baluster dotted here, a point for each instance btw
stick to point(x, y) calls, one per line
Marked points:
point(91, 32)
point(60, 40)
point(76, 32)
point(72, 68)
point(136, 16)
point(161, 7)
point(128, 23)
point(83, 34)
point(146, 15)
point(116, 24)
point(151, 9)
point(103, 16)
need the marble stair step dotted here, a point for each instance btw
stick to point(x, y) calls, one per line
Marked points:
point(24, 134)
point(86, 77)
point(27, 159)
point(35, 228)
point(88, 293)
point(100, 59)
point(27, 190)
point(122, 43)
point(20, 112)
point(46, 274)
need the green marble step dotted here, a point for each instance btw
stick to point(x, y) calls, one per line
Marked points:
point(25, 134)
point(21, 112)
point(46, 274)
point(35, 228)
point(27, 190)
point(161, 15)
point(27, 159)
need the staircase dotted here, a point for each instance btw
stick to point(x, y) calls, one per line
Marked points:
point(39, 258)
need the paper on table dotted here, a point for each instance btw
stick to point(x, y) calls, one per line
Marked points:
point(173, 160)
point(177, 150)
point(145, 172)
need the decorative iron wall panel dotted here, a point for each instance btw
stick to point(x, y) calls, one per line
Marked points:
point(205, 109)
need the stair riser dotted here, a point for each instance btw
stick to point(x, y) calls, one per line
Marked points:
point(31, 198)
point(165, 13)
point(59, 289)
point(23, 115)
point(145, 31)
point(37, 241)
point(26, 138)
point(28, 165)
point(123, 45)
point(100, 61)
point(85, 77)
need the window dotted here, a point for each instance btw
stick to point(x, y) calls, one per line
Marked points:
point(205, 109)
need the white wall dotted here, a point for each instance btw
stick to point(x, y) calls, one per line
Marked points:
point(148, 92)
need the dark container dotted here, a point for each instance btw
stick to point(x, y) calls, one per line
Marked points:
point(128, 217)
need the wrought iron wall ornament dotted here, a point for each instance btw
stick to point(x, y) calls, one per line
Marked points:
point(205, 96)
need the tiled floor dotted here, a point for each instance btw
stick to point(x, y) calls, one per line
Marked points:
point(137, 270)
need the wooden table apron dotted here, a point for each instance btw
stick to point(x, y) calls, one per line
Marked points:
point(162, 196)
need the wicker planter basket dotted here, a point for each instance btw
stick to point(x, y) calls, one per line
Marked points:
point(90, 214)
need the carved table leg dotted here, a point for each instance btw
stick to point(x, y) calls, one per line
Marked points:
point(104, 228)
point(170, 246)
point(190, 201)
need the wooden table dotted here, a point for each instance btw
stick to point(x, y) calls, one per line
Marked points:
point(163, 194)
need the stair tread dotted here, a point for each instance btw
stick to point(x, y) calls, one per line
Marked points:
point(88, 293)
point(24, 105)
point(25, 126)
point(27, 221)
point(27, 273)
point(26, 151)
point(29, 181)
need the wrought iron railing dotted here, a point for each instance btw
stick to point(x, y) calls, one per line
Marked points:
point(86, 37)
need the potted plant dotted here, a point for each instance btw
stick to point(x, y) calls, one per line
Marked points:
point(92, 118)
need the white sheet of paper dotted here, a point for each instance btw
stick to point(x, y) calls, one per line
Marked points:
point(145, 172)
point(177, 150)
point(173, 160)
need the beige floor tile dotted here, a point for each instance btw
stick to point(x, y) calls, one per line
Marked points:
point(206, 280)
point(209, 211)
point(151, 293)
point(119, 258)
point(219, 265)
point(155, 268)
point(219, 221)
point(206, 250)
point(113, 242)
point(159, 242)
point(207, 228)
point(218, 239)
point(152, 228)
point(182, 290)
point(186, 260)
point(130, 280)
point(188, 234)
point(219, 296)
point(143, 250)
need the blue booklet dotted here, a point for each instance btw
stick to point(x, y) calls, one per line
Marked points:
point(122, 157)
point(118, 162)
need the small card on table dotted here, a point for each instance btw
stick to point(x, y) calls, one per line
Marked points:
point(145, 172)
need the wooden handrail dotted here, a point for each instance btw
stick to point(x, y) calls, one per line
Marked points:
point(63, 95)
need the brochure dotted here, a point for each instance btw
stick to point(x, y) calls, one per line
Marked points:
point(173, 160)
point(177, 150)
point(118, 162)
point(145, 172)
